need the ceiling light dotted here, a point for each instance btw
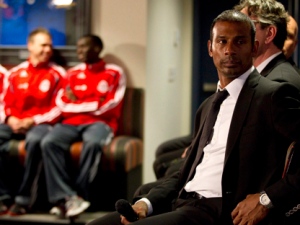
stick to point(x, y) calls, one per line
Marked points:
point(62, 3)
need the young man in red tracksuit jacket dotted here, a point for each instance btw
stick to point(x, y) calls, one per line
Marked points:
point(91, 105)
point(30, 112)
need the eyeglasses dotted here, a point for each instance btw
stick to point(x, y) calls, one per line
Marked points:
point(263, 25)
point(255, 21)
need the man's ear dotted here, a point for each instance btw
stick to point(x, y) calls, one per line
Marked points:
point(209, 47)
point(272, 30)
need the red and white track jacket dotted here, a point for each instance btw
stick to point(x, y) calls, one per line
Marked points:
point(32, 91)
point(98, 90)
point(3, 74)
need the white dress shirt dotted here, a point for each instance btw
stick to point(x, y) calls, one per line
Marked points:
point(208, 175)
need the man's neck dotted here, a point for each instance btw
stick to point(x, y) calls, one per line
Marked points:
point(265, 55)
point(36, 63)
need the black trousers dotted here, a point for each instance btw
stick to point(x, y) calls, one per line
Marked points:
point(206, 211)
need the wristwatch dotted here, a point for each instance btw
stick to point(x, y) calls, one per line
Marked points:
point(265, 200)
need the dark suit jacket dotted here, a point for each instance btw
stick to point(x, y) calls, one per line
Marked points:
point(292, 62)
point(261, 130)
point(281, 70)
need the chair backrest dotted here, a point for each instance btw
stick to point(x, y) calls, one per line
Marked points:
point(131, 121)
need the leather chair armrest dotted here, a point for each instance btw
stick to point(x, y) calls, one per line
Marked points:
point(123, 153)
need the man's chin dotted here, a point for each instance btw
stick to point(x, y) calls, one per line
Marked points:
point(45, 59)
point(232, 72)
point(81, 59)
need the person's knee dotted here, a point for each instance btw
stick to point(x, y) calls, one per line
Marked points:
point(33, 139)
point(159, 168)
point(161, 149)
point(145, 188)
point(94, 146)
point(139, 191)
point(46, 143)
point(5, 133)
point(32, 144)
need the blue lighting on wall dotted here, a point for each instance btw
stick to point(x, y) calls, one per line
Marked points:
point(20, 17)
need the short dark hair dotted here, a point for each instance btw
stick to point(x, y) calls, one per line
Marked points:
point(268, 12)
point(234, 16)
point(96, 40)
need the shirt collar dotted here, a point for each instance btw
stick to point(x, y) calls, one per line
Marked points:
point(38, 65)
point(234, 87)
point(261, 66)
point(98, 66)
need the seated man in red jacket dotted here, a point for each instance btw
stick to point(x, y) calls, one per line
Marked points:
point(30, 112)
point(91, 105)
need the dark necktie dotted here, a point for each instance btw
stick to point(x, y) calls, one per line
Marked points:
point(207, 131)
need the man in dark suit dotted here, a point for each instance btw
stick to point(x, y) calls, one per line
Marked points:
point(274, 17)
point(270, 19)
point(236, 177)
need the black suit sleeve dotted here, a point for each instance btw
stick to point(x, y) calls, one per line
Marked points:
point(285, 110)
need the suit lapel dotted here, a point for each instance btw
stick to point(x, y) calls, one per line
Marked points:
point(239, 115)
point(196, 140)
point(199, 133)
point(241, 110)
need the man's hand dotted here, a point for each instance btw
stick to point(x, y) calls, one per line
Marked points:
point(20, 126)
point(27, 123)
point(183, 155)
point(249, 211)
point(141, 210)
point(70, 95)
point(15, 124)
